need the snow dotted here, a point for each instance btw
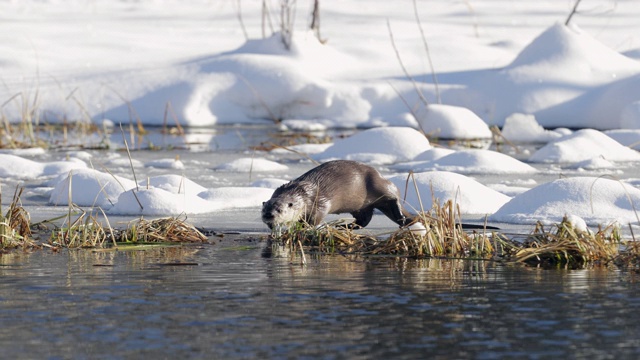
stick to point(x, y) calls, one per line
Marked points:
point(470, 195)
point(599, 201)
point(505, 63)
point(584, 145)
point(251, 165)
point(16, 167)
point(471, 162)
point(453, 122)
point(89, 187)
point(524, 128)
point(166, 164)
point(105, 60)
point(378, 146)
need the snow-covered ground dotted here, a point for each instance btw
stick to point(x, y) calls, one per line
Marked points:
point(508, 63)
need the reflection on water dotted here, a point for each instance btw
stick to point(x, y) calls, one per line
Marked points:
point(238, 303)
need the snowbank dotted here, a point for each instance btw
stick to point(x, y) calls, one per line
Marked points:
point(598, 201)
point(471, 162)
point(378, 146)
point(470, 195)
point(584, 145)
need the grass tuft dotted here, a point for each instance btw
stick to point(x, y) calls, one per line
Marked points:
point(443, 237)
point(566, 245)
point(162, 230)
point(15, 228)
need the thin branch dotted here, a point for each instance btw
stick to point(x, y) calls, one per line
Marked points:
point(426, 48)
point(404, 69)
point(573, 11)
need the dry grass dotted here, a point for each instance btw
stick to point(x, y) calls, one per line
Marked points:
point(566, 245)
point(15, 228)
point(163, 230)
point(85, 231)
point(443, 237)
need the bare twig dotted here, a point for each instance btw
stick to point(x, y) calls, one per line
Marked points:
point(404, 69)
point(573, 11)
point(426, 48)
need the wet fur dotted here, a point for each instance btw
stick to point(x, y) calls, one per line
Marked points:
point(335, 187)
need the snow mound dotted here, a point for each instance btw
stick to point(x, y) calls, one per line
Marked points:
point(175, 164)
point(251, 165)
point(453, 122)
point(258, 81)
point(598, 201)
point(378, 146)
point(12, 166)
point(567, 53)
point(156, 201)
point(584, 145)
point(597, 163)
point(524, 128)
point(174, 184)
point(433, 154)
point(89, 187)
point(471, 162)
point(472, 196)
point(237, 197)
point(550, 77)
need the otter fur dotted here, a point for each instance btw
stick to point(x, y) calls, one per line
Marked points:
point(335, 187)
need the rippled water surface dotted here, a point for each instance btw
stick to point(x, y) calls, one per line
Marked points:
point(234, 300)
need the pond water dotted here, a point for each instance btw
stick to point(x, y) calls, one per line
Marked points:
point(235, 299)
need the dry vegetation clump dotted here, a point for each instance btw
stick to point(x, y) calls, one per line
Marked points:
point(566, 245)
point(162, 230)
point(85, 231)
point(15, 228)
point(443, 237)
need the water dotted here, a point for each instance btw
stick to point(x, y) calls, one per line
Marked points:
point(232, 299)
point(241, 302)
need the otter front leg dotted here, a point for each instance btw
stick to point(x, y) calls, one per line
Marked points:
point(362, 216)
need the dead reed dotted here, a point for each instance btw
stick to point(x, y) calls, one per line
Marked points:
point(162, 230)
point(443, 236)
point(85, 231)
point(15, 230)
point(567, 245)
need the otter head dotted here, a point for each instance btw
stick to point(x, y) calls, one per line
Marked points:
point(287, 205)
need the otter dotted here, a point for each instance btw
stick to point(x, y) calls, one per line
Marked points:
point(335, 187)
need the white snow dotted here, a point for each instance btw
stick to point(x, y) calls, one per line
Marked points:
point(524, 128)
point(453, 122)
point(506, 63)
point(17, 167)
point(89, 187)
point(166, 164)
point(472, 162)
point(599, 201)
point(584, 145)
point(378, 146)
point(106, 59)
point(251, 165)
point(470, 195)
